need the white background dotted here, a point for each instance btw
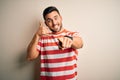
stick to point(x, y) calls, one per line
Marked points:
point(98, 22)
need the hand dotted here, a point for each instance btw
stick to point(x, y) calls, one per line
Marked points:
point(42, 30)
point(65, 42)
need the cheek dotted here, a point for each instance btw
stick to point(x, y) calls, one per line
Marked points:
point(60, 21)
point(49, 24)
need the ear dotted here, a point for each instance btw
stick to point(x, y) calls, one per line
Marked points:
point(61, 17)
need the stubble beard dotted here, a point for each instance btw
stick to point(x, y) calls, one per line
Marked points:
point(55, 31)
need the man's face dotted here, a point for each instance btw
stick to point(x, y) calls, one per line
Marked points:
point(54, 21)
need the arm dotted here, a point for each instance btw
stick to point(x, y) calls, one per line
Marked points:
point(67, 42)
point(32, 52)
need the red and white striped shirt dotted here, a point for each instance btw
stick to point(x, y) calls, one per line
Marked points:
point(57, 64)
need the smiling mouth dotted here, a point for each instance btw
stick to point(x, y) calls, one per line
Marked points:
point(56, 28)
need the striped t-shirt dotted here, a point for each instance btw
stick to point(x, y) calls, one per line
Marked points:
point(55, 63)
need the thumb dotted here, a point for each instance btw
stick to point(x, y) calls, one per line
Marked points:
point(40, 25)
point(61, 43)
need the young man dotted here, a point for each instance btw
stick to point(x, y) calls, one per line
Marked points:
point(57, 48)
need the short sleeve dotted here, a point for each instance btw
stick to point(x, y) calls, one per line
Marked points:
point(39, 45)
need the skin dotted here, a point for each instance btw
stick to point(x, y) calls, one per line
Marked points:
point(53, 21)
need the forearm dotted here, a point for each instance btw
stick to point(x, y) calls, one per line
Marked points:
point(77, 43)
point(32, 52)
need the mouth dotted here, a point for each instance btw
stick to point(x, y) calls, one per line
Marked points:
point(56, 27)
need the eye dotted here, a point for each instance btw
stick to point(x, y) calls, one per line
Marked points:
point(55, 17)
point(49, 20)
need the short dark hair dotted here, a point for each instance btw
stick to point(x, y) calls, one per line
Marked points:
point(49, 10)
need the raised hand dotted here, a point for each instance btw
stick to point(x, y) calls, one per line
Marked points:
point(42, 30)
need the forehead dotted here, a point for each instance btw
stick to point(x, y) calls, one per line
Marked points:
point(52, 14)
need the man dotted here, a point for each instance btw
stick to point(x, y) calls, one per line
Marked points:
point(57, 48)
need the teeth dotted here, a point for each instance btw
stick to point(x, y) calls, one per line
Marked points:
point(56, 26)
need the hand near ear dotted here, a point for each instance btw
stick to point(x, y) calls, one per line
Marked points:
point(42, 30)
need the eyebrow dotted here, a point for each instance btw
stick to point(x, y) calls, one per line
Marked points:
point(56, 16)
point(50, 18)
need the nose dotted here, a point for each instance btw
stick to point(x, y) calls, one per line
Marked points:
point(54, 22)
